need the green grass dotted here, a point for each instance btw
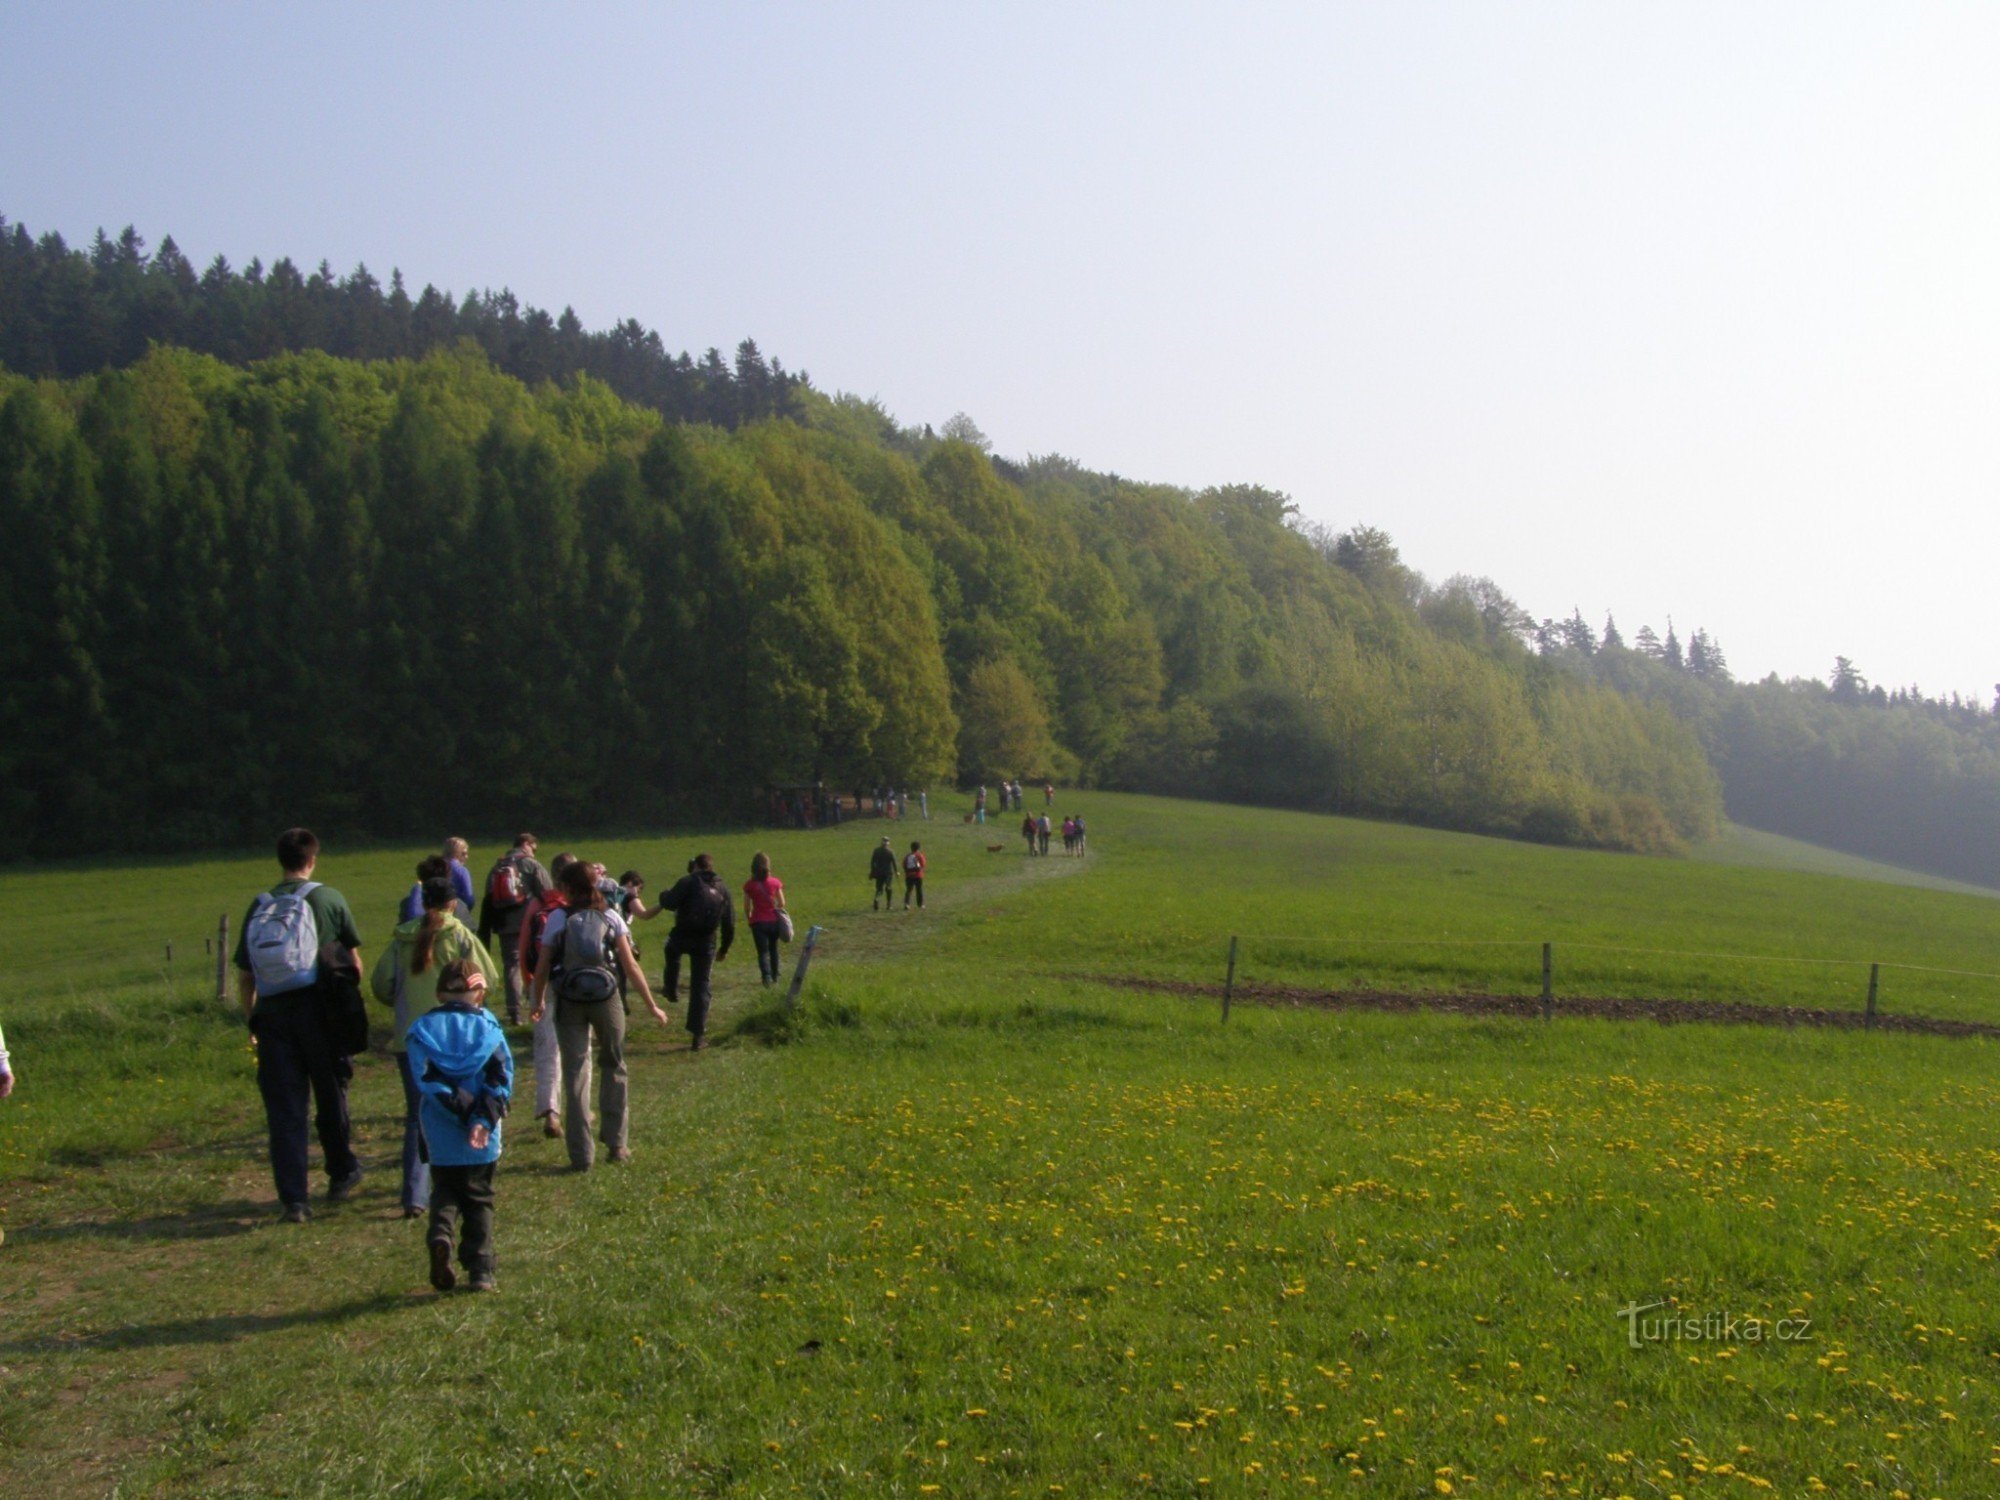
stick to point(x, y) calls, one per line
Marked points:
point(972, 1222)
point(1773, 851)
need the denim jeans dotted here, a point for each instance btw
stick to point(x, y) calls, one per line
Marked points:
point(416, 1172)
point(765, 935)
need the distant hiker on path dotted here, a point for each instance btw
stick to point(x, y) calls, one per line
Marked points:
point(516, 878)
point(1048, 794)
point(764, 910)
point(702, 912)
point(465, 1070)
point(406, 976)
point(1042, 833)
point(882, 870)
point(278, 982)
point(585, 947)
point(1081, 834)
point(6, 1069)
point(1028, 830)
point(979, 806)
point(913, 876)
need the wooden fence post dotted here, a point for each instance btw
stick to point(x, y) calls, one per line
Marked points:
point(1874, 984)
point(799, 974)
point(1229, 983)
point(222, 959)
point(1548, 980)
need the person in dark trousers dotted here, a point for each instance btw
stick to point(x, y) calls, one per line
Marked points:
point(882, 870)
point(914, 864)
point(764, 910)
point(516, 878)
point(465, 1073)
point(278, 983)
point(703, 913)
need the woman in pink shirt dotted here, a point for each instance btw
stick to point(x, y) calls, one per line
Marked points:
point(764, 906)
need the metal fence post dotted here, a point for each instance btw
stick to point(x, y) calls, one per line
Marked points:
point(1874, 984)
point(1548, 980)
point(805, 959)
point(1229, 983)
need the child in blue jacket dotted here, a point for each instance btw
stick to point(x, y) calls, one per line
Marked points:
point(465, 1073)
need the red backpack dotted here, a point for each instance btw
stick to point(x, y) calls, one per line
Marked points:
point(503, 886)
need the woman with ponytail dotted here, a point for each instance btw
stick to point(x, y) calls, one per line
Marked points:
point(406, 976)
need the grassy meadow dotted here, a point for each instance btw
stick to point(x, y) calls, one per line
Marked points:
point(973, 1222)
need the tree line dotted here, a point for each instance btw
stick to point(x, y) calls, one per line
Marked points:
point(377, 595)
point(1892, 774)
point(66, 312)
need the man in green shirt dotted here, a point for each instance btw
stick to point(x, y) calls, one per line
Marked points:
point(278, 951)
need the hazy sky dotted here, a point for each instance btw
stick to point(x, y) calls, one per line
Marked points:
point(1644, 309)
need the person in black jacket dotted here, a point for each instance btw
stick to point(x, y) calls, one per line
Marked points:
point(703, 914)
point(882, 870)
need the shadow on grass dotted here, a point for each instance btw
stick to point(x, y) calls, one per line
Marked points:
point(222, 1329)
point(204, 1221)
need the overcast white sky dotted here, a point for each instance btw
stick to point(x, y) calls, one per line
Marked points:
point(1688, 309)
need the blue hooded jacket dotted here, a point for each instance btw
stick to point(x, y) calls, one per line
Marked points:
point(465, 1071)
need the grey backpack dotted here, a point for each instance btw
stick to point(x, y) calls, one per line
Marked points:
point(586, 960)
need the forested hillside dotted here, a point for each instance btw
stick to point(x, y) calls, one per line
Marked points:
point(1894, 775)
point(303, 546)
point(399, 594)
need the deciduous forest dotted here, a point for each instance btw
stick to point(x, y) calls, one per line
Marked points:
point(299, 548)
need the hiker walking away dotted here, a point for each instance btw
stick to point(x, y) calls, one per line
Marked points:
point(882, 870)
point(6, 1069)
point(913, 875)
point(1042, 832)
point(585, 947)
point(979, 806)
point(1028, 831)
point(278, 983)
point(430, 867)
point(456, 852)
point(1069, 835)
point(764, 910)
point(516, 878)
point(1081, 834)
point(1048, 794)
point(406, 977)
point(702, 912)
point(924, 804)
point(465, 1072)
point(527, 954)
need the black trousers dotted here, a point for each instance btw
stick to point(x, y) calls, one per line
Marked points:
point(913, 888)
point(462, 1199)
point(700, 954)
point(297, 1064)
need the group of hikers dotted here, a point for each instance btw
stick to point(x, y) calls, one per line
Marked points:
point(1036, 830)
point(1010, 798)
point(557, 943)
point(567, 955)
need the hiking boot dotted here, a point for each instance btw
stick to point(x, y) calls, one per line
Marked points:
point(342, 1188)
point(621, 1153)
point(442, 1275)
point(552, 1125)
point(482, 1281)
point(297, 1213)
point(411, 1211)
point(695, 1045)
